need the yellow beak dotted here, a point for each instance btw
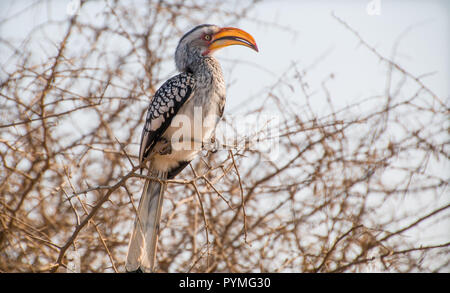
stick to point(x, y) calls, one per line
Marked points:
point(228, 36)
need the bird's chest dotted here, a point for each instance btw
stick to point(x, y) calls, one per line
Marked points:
point(197, 119)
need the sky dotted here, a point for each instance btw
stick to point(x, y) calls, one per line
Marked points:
point(424, 48)
point(305, 32)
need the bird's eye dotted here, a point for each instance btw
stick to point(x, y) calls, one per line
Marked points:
point(207, 37)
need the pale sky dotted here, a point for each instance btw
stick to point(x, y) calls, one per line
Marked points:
point(313, 32)
point(423, 49)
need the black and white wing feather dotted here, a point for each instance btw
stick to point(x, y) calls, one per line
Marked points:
point(165, 104)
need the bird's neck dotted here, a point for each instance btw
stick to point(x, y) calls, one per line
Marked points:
point(206, 69)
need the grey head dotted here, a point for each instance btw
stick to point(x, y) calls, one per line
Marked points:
point(193, 46)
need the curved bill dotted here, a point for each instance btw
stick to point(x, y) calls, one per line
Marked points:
point(229, 36)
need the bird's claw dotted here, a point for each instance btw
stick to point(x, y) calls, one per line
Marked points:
point(165, 148)
point(211, 147)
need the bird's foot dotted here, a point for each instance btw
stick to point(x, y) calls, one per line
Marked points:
point(165, 147)
point(211, 147)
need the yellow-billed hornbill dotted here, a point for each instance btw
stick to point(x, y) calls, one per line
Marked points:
point(170, 139)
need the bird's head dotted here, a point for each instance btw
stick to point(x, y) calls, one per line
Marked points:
point(205, 39)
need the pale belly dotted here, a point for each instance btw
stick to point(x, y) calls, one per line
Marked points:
point(188, 130)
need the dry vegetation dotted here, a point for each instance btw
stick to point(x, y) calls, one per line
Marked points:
point(352, 190)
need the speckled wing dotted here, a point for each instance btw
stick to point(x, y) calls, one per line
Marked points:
point(164, 105)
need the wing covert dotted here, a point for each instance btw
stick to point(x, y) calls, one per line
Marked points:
point(164, 105)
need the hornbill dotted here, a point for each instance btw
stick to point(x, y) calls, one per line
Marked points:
point(170, 138)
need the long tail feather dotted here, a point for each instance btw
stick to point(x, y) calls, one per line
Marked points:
point(143, 242)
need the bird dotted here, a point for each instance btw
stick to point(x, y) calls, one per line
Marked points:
point(181, 119)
